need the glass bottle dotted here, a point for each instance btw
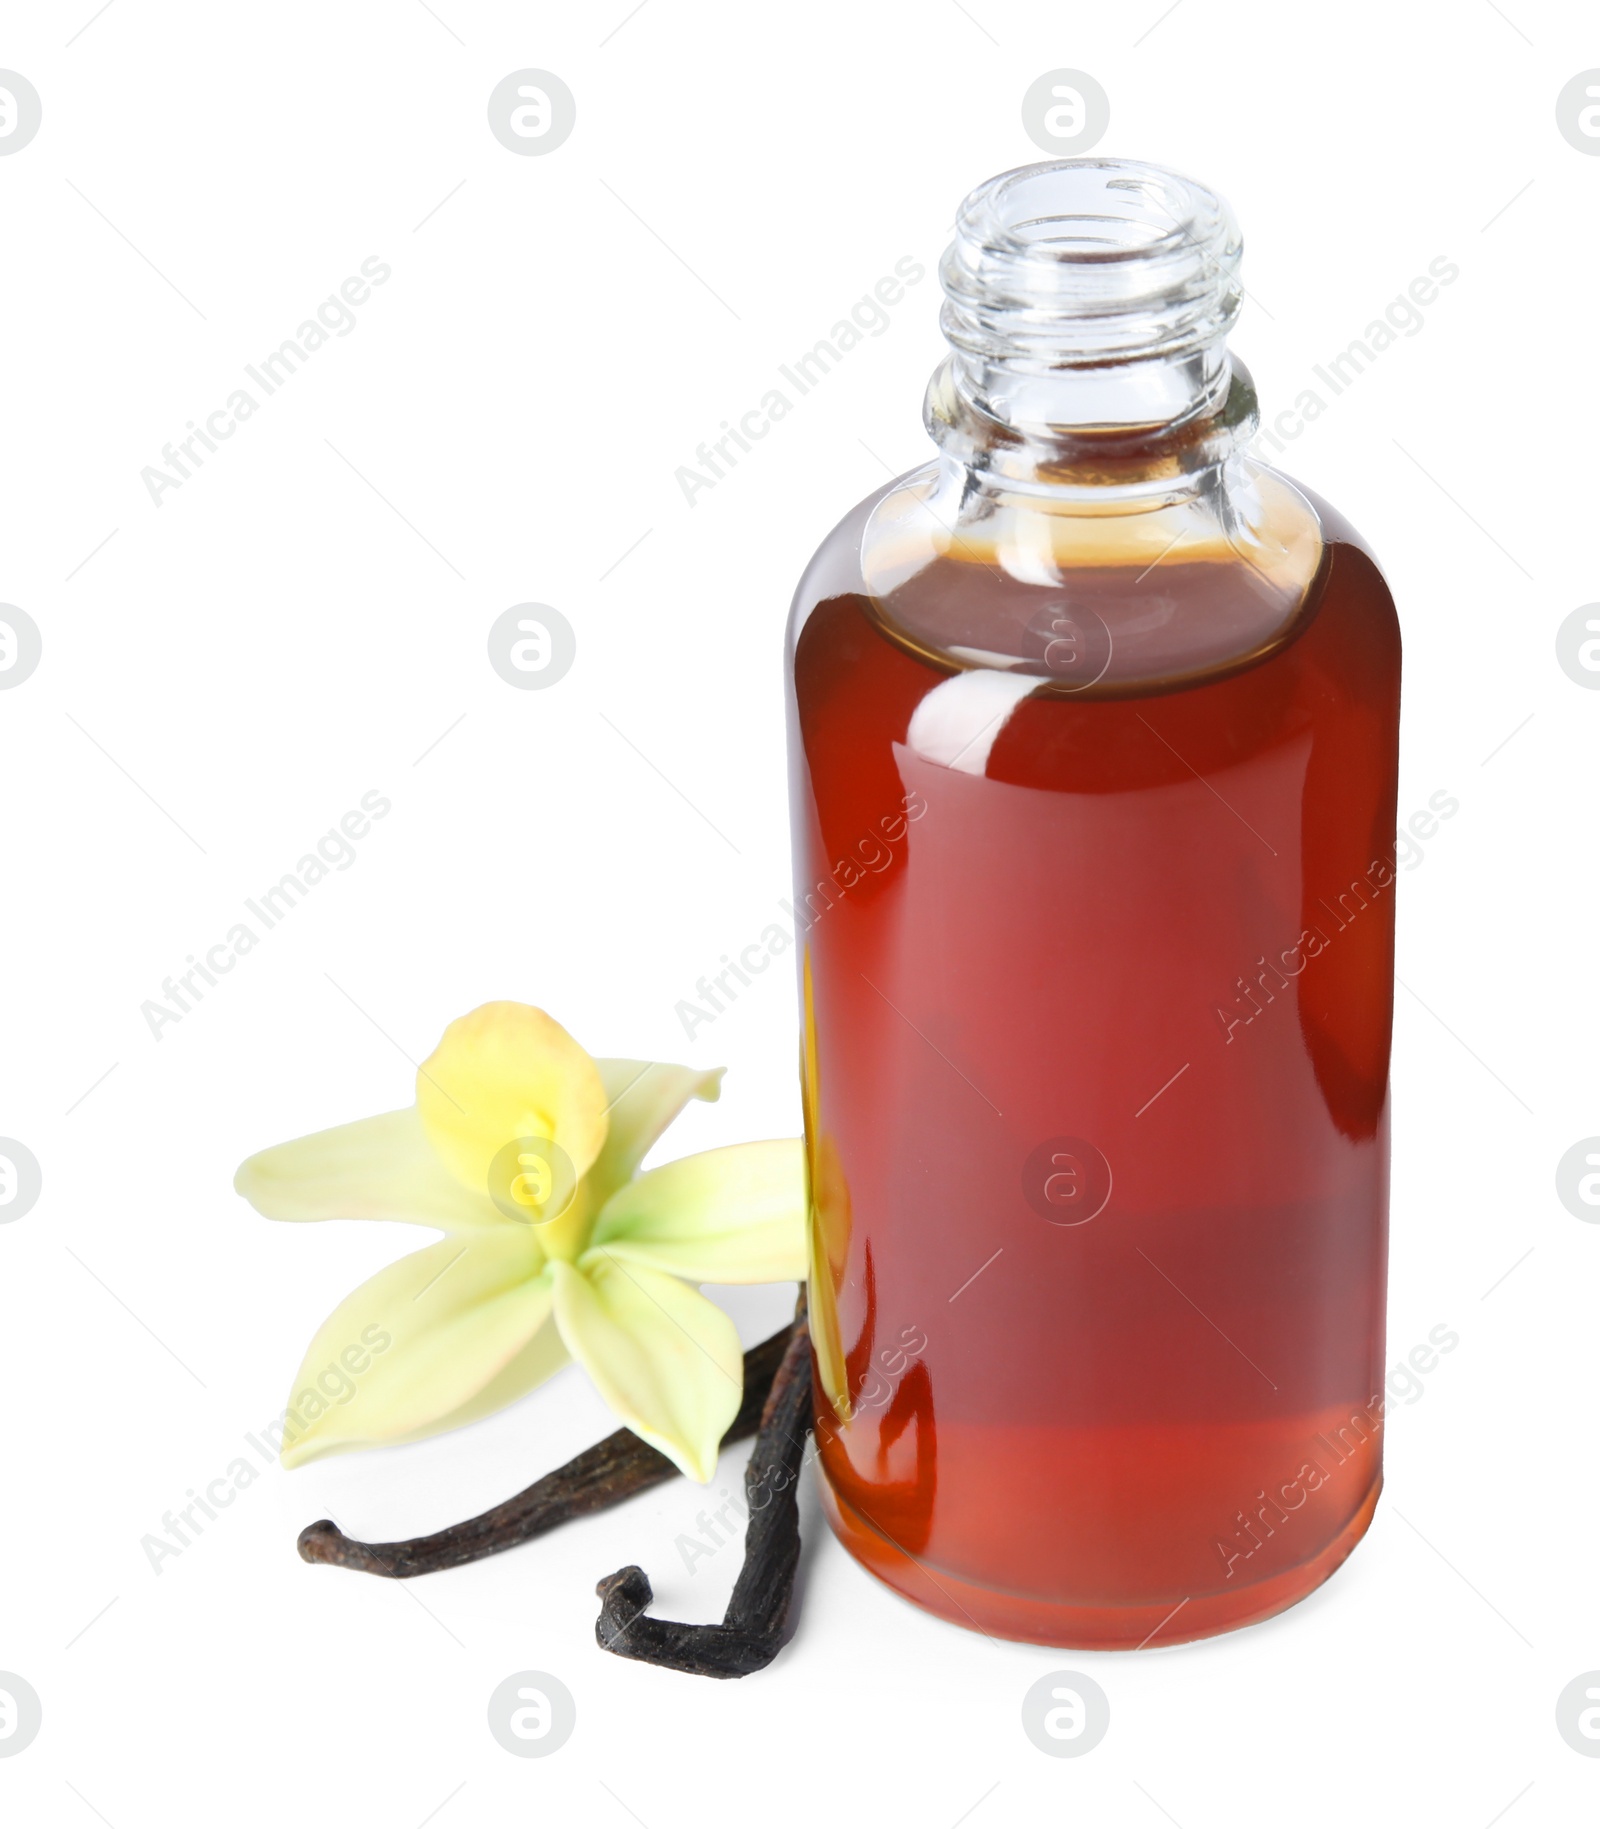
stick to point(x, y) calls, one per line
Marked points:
point(1093, 726)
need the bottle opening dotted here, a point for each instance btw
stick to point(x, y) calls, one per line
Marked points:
point(1092, 210)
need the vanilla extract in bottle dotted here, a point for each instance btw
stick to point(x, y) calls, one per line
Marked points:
point(1093, 726)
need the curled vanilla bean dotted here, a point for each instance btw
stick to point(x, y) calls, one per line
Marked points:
point(604, 1475)
point(751, 1632)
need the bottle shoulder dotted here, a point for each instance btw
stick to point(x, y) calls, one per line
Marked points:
point(1091, 605)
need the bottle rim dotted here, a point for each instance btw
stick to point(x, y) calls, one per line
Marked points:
point(1085, 263)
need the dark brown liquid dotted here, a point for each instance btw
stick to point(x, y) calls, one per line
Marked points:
point(1097, 1046)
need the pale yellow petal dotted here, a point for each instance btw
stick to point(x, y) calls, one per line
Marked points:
point(665, 1359)
point(643, 1097)
point(500, 1076)
point(376, 1168)
point(734, 1215)
point(544, 1355)
point(418, 1341)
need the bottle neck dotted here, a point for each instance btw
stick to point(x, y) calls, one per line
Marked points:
point(1093, 522)
point(1087, 306)
point(1095, 468)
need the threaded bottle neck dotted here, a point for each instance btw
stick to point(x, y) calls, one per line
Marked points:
point(1090, 295)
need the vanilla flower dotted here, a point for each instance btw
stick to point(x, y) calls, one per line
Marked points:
point(525, 1152)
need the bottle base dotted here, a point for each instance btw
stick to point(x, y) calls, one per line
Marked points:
point(999, 1614)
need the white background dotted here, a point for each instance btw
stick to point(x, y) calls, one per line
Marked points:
point(277, 638)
